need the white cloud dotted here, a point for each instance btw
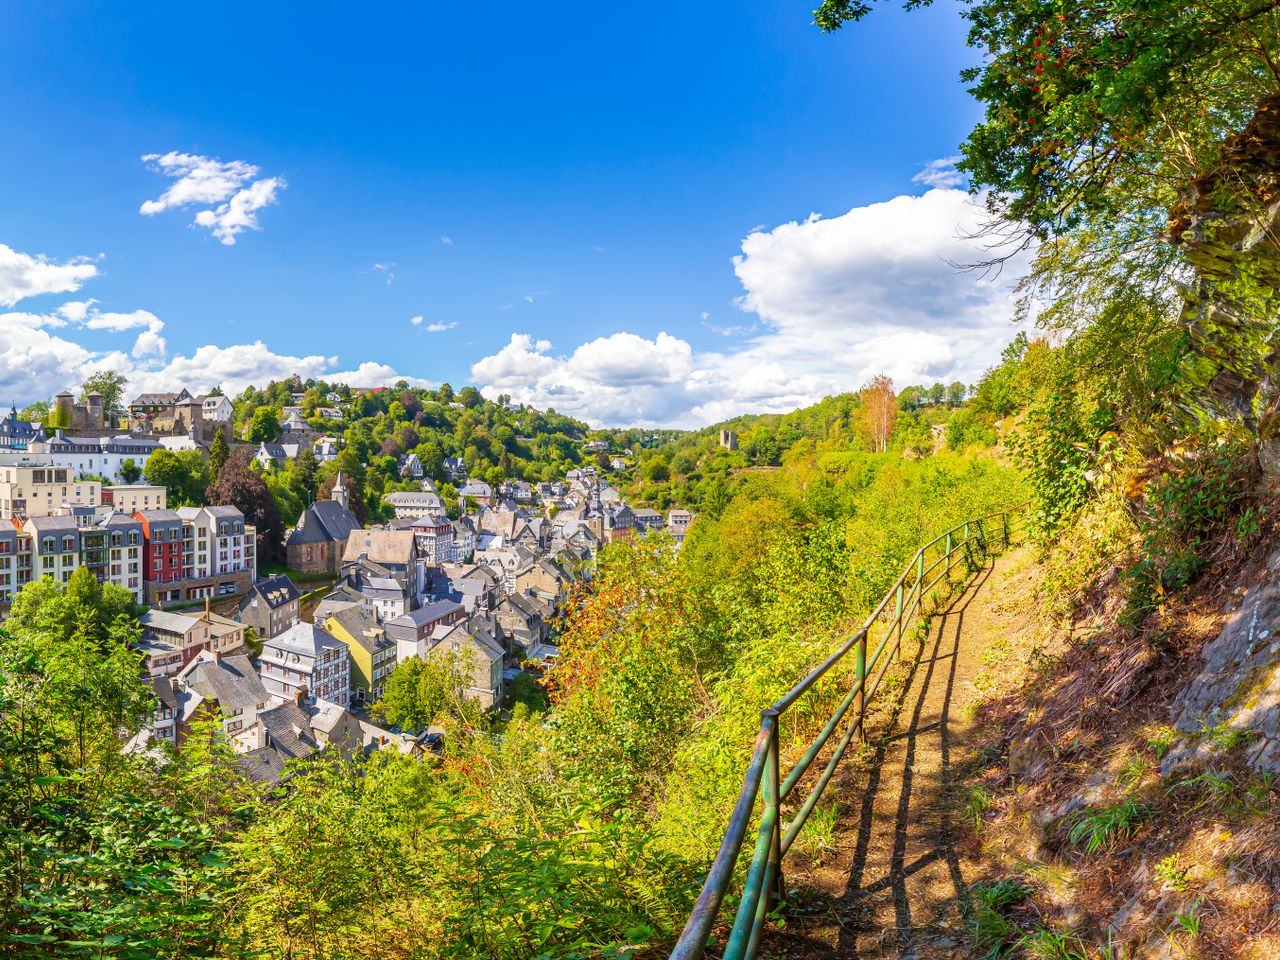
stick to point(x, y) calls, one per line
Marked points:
point(837, 300)
point(35, 363)
point(440, 327)
point(228, 190)
point(940, 173)
point(25, 275)
point(386, 269)
point(416, 321)
point(447, 241)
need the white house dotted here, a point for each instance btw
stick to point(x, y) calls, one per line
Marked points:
point(218, 409)
point(306, 657)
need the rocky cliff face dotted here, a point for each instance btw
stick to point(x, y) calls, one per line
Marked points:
point(1227, 223)
point(1236, 695)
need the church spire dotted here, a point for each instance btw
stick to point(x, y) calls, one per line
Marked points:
point(339, 494)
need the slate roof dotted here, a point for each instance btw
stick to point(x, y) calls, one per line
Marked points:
point(275, 591)
point(431, 613)
point(231, 681)
point(325, 521)
point(362, 626)
point(306, 640)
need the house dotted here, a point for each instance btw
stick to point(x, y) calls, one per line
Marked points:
point(217, 408)
point(271, 606)
point(131, 498)
point(619, 523)
point(296, 430)
point(325, 449)
point(464, 541)
point(647, 517)
point(410, 466)
point(395, 551)
point(434, 537)
point(455, 468)
point(315, 545)
point(521, 618)
point(272, 455)
point(99, 456)
point(412, 631)
point(297, 730)
point(309, 661)
point(172, 640)
point(16, 434)
point(342, 597)
point(544, 579)
point(412, 503)
point(479, 653)
point(31, 485)
point(596, 446)
point(678, 522)
point(229, 686)
point(164, 715)
point(477, 490)
point(617, 463)
point(328, 413)
point(372, 652)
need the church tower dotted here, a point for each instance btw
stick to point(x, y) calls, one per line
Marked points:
point(339, 494)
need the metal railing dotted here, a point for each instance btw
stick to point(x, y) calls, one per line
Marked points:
point(969, 542)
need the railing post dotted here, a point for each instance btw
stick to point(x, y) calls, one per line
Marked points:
point(860, 670)
point(1004, 529)
point(919, 583)
point(775, 892)
point(897, 647)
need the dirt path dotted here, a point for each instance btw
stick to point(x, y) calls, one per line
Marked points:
point(894, 886)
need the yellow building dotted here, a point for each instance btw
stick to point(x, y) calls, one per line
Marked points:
point(373, 654)
point(30, 488)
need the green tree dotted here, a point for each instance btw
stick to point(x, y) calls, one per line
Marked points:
point(421, 690)
point(182, 473)
point(130, 472)
point(239, 485)
point(219, 450)
point(956, 393)
point(264, 426)
point(110, 384)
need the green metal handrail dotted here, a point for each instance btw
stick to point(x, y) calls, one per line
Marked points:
point(763, 885)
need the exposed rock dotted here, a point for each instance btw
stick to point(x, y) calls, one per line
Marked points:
point(1028, 759)
point(1239, 685)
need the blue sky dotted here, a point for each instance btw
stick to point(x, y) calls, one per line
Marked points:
point(559, 193)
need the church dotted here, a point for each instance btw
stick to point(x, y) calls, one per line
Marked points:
point(315, 545)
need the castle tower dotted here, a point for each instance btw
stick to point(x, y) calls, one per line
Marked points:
point(339, 494)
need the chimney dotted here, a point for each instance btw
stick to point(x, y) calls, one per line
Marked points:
point(300, 696)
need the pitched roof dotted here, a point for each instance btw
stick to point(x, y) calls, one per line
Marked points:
point(275, 591)
point(325, 521)
point(231, 681)
point(380, 546)
point(363, 627)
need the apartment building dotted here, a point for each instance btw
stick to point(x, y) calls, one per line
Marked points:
point(219, 552)
point(31, 485)
point(132, 497)
point(103, 456)
point(56, 546)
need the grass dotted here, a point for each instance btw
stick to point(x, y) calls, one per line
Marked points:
point(990, 930)
point(1161, 739)
point(978, 802)
point(1098, 828)
point(1171, 873)
point(1223, 738)
point(819, 833)
point(1045, 944)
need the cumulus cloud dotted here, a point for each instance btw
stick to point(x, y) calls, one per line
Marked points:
point(35, 363)
point(941, 173)
point(447, 241)
point(835, 301)
point(228, 190)
point(416, 321)
point(440, 327)
point(25, 275)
